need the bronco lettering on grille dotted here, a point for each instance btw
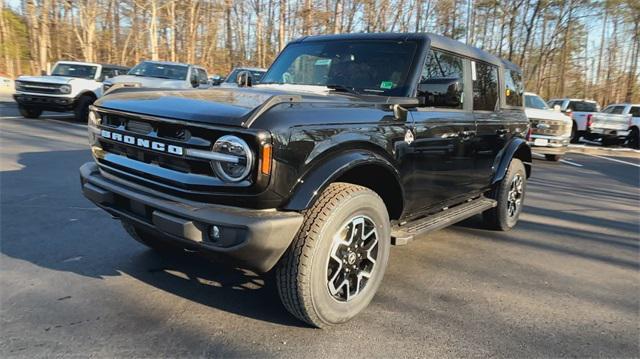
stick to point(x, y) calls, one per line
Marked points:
point(141, 142)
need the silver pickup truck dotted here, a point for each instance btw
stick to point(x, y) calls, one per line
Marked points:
point(608, 126)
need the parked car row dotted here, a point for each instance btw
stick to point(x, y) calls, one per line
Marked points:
point(74, 86)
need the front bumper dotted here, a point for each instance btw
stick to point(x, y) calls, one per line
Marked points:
point(255, 239)
point(50, 103)
point(551, 145)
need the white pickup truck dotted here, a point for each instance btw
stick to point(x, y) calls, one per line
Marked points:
point(581, 112)
point(617, 123)
point(71, 86)
point(611, 126)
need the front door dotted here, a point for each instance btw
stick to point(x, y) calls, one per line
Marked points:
point(440, 156)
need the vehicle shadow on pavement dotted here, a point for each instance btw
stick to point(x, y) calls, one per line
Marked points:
point(47, 222)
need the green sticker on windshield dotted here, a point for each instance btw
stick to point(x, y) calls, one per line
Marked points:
point(387, 85)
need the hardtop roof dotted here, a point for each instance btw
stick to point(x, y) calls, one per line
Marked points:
point(437, 41)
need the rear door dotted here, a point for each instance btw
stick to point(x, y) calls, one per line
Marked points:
point(493, 128)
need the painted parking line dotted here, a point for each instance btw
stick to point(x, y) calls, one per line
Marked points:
point(613, 160)
point(562, 160)
point(49, 118)
point(571, 163)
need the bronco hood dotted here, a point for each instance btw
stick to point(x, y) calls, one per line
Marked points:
point(219, 106)
point(47, 79)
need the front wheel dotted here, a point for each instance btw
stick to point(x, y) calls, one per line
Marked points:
point(554, 158)
point(509, 193)
point(27, 112)
point(336, 263)
point(81, 111)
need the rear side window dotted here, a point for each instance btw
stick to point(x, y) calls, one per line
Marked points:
point(514, 87)
point(635, 111)
point(582, 106)
point(442, 80)
point(485, 87)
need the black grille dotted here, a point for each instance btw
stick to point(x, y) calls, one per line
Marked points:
point(38, 87)
point(145, 160)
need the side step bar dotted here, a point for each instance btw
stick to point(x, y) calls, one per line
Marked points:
point(402, 234)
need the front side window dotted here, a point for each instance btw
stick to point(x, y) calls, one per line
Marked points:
point(74, 70)
point(377, 67)
point(202, 77)
point(635, 111)
point(485, 87)
point(534, 101)
point(514, 87)
point(160, 70)
point(442, 80)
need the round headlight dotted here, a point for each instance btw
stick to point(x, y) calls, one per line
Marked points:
point(233, 171)
point(65, 89)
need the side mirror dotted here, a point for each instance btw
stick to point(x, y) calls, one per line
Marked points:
point(441, 92)
point(244, 79)
point(556, 108)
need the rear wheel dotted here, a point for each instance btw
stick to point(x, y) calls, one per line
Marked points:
point(336, 263)
point(509, 194)
point(554, 158)
point(81, 111)
point(28, 112)
point(633, 139)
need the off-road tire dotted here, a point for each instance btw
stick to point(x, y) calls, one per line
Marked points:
point(27, 112)
point(498, 217)
point(302, 273)
point(147, 238)
point(554, 158)
point(81, 111)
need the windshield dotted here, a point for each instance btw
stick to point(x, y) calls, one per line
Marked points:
point(162, 71)
point(372, 67)
point(256, 75)
point(533, 101)
point(75, 70)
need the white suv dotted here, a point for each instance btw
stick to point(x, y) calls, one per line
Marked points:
point(161, 75)
point(71, 86)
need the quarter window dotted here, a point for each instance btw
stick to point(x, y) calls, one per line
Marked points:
point(442, 80)
point(514, 87)
point(485, 87)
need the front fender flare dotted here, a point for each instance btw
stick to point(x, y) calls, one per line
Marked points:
point(315, 180)
point(518, 148)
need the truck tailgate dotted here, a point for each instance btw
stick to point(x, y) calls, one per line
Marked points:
point(607, 121)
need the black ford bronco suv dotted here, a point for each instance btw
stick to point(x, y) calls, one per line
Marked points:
point(349, 144)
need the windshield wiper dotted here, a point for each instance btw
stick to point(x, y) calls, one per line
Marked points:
point(343, 88)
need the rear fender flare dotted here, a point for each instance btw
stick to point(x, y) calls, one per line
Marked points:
point(517, 148)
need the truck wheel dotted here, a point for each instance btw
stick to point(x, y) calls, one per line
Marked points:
point(337, 260)
point(509, 194)
point(554, 158)
point(147, 238)
point(575, 134)
point(30, 112)
point(81, 110)
point(633, 139)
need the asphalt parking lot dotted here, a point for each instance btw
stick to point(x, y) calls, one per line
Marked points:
point(565, 282)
